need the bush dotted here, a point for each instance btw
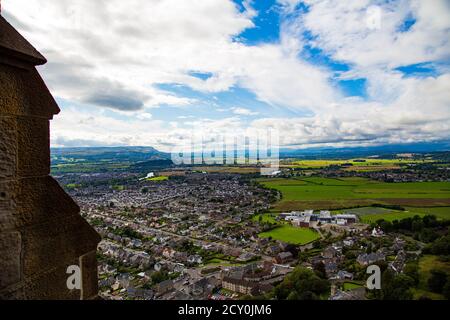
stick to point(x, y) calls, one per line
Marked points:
point(301, 284)
point(441, 246)
point(446, 289)
point(437, 281)
point(159, 276)
point(411, 269)
point(396, 286)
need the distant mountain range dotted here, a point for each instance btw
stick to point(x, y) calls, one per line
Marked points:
point(121, 154)
point(352, 152)
point(147, 155)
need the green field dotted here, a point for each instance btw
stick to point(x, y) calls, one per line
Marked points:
point(266, 217)
point(73, 186)
point(373, 214)
point(88, 167)
point(327, 193)
point(349, 285)
point(388, 216)
point(291, 234)
point(357, 164)
point(160, 178)
point(439, 212)
point(426, 264)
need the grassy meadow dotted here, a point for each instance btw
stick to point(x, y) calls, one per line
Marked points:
point(290, 234)
point(351, 195)
point(157, 179)
point(357, 164)
point(337, 193)
point(350, 285)
point(285, 231)
point(426, 264)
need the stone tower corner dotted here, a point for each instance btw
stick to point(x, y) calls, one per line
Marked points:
point(41, 230)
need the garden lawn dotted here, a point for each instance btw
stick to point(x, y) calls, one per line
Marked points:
point(291, 234)
point(351, 285)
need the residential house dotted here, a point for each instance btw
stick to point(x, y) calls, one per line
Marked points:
point(344, 275)
point(245, 287)
point(164, 287)
point(195, 259)
point(366, 259)
point(284, 257)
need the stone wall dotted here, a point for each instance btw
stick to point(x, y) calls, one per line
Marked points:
point(41, 230)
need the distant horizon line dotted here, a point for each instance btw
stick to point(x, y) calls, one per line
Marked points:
point(439, 146)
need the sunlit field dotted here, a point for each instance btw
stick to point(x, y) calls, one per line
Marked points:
point(326, 193)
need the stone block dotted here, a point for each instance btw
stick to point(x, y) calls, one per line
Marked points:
point(33, 201)
point(10, 253)
point(8, 147)
point(33, 147)
point(7, 205)
point(25, 93)
point(88, 265)
point(40, 200)
point(56, 242)
point(48, 285)
point(9, 99)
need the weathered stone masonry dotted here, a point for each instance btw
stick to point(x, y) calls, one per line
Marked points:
point(41, 230)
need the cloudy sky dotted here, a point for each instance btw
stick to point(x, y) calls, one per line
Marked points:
point(321, 72)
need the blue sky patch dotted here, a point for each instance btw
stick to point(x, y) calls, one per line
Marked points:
point(218, 105)
point(267, 23)
point(317, 57)
point(201, 75)
point(407, 24)
point(425, 69)
point(354, 87)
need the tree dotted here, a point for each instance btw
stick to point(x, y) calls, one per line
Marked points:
point(302, 284)
point(411, 269)
point(159, 276)
point(317, 245)
point(441, 246)
point(386, 226)
point(437, 281)
point(319, 269)
point(429, 221)
point(396, 287)
point(446, 289)
point(308, 295)
point(428, 235)
point(293, 296)
point(417, 225)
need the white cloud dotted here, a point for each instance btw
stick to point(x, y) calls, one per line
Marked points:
point(398, 108)
point(243, 111)
point(340, 28)
point(100, 51)
point(114, 53)
point(97, 46)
